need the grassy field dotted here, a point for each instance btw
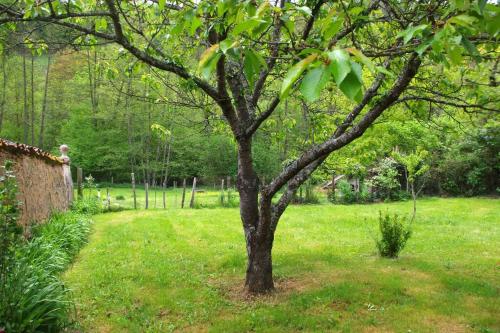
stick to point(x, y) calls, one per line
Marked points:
point(182, 270)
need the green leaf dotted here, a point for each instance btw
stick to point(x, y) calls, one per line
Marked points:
point(208, 60)
point(161, 4)
point(294, 74)
point(289, 24)
point(340, 65)
point(247, 25)
point(252, 65)
point(305, 10)
point(351, 86)
point(362, 58)
point(455, 54)
point(332, 28)
point(195, 24)
point(463, 20)
point(101, 24)
point(226, 44)
point(411, 31)
point(209, 67)
point(314, 81)
point(383, 70)
point(471, 48)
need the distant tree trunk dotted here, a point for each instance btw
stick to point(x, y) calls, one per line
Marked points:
point(4, 89)
point(26, 111)
point(167, 164)
point(44, 106)
point(32, 100)
point(92, 85)
point(130, 126)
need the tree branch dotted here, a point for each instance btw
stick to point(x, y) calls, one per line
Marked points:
point(337, 142)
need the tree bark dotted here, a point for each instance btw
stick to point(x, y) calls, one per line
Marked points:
point(32, 100)
point(25, 109)
point(4, 89)
point(256, 224)
point(44, 106)
point(259, 274)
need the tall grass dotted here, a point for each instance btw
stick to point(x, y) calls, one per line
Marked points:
point(34, 299)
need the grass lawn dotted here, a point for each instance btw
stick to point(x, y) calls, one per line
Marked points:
point(182, 270)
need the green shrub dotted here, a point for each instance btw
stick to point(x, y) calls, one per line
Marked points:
point(385, 182)
point(306, 195)
point(90, 205)
point(120, 197)
point(346, 195)
point(394, 233)
point(10, 230)
point(34, 299)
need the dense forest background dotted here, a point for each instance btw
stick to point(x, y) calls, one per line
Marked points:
point(119, 116)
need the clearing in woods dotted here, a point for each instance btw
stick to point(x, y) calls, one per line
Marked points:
point(182, 270)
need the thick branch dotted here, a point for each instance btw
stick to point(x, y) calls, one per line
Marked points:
point(335, 143)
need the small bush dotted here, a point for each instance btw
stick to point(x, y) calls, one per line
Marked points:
point(90, 206)
point(120, 197)
point(346, 195)
point(394, 234)
point(306, 196)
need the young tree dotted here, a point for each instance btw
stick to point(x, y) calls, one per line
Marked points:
point(377, 53)
point(416, 167)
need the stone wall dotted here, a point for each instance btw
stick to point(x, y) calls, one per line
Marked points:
point(40, 179)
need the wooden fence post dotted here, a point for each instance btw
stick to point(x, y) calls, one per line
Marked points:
point(133, 190)
point(191, 203)
point(79, 180)
point(175, 193)
point(222, 191)
point(228, 183)
point(183, 192)
point(154, 190)
point(164, 195)
point(108, 199)
point(146, 188)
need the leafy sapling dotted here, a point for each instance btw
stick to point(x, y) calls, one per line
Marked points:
point(416, 167)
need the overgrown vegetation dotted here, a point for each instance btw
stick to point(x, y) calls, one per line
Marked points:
point(33, 298)
point(394, 233)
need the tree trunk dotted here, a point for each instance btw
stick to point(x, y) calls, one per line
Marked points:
point(4, 89)
point(32, 100)
point(44, 106)
point(256, 224)
point(259, 275)
point(25, 109)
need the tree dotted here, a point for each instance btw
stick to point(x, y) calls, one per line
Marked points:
point(249, 45)
point(416, 167)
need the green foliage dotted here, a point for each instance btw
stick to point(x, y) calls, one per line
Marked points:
point(90, 206)
point(385, 181)
point(306, 194)
point(414, 163)
point(394, 233)
point(345, 194)
point(120, 197)
point(10, 230)
point(470, 166)
point(34, 299)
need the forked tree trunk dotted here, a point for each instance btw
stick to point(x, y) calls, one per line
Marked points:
point(259, 241)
